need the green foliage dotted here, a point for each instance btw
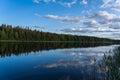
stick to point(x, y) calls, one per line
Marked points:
point(7, 32)
point(110, 64)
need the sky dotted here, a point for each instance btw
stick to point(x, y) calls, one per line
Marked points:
point(100, 18)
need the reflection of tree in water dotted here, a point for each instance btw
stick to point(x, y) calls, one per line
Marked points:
point(110, 65)
point(17, 48)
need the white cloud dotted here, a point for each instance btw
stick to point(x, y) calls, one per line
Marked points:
point(36, 14)
point(106, 2)
point(64, 3)
point(112, 4)
point(84, 2)
point(105, 19)
point(115, 25)
point(87, 30)
point(102, 23)
point(64, 19)
point(104, 15)
point(68, 4)
point(36, 1)
point(47, 1)
point(75, 30)
point(92, 23)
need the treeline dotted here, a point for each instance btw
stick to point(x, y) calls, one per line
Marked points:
point(8, 32)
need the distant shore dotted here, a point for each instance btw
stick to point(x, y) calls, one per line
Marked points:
point(52, 41)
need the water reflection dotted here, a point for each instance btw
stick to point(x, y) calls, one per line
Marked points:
point(17, 48)
point(59, 61)
point(110, 65)
point(64, 63)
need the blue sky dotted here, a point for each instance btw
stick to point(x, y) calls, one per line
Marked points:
point(99, 18)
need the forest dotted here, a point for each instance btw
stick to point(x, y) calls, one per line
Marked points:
point(16, 33)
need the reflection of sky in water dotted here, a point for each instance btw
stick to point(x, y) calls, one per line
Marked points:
point(60, 64)
point(80, 57)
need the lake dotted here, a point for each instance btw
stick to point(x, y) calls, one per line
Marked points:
point(59, 61)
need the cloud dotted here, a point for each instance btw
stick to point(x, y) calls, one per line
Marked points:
point(36, 14)
point(87, 30)
point(92, 23)
point(116, 34)
point(65, 3)
point(116, 19)
point(75, 30)
point(99, 32)
point(104, 15)
point(64, 19)
point(40, 27)
point(115, 25)
point(104, 19)
point(112, 4)
point(68, 4)
point(100, 23)
point(104, 30)
point(106, 2)
point(84, 2)
point(47, 1)
point(36, 1)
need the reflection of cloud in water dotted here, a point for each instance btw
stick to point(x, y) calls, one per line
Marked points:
point(35, 67)
point(89, 51)
point(80, 57)
point(86, 57)
point(77, 61)
point(83, 67)
point(64, 63)
point(38, 53)
point(84, 52)
point(70, 63)
point(81, 53)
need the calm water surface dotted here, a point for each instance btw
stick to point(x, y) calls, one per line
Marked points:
point(33, 61)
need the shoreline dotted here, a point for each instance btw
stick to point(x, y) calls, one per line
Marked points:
point(53, 41)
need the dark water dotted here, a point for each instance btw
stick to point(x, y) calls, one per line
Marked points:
point(59, 61)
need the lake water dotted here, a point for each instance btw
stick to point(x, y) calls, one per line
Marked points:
point(54, 61)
